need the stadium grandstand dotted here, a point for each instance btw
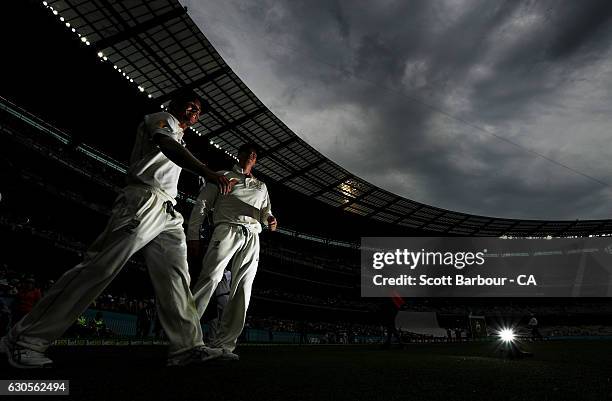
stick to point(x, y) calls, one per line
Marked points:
point(67, 123)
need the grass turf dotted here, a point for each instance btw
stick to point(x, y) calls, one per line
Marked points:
point(569, 370)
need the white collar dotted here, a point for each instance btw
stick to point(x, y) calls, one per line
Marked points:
point(240, 170)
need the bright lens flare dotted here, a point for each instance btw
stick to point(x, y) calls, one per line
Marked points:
point(507, 335)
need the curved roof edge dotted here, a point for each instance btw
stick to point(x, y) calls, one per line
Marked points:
point(158, 48)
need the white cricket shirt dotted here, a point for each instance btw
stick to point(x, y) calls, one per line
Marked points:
point(148, 165)
point(248, 204)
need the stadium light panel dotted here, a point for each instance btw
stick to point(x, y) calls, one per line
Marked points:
point(507, 335)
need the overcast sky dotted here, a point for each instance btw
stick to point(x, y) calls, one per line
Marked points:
point(422, 97)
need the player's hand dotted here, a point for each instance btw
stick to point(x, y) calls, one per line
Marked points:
point(193, 249)
point(272, 223)
point(225, 185)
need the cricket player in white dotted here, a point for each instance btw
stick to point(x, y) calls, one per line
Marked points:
point(237, 217)
point(142, 217)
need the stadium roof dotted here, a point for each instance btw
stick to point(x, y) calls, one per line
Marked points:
point(157, 47)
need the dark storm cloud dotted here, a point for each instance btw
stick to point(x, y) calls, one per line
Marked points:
point(411, 94)
point(581, 22)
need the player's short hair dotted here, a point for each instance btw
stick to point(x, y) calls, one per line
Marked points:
point(181, 98)
point(249, 146)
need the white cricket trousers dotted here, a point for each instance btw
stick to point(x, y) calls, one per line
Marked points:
point(229, 241)
point(141, 219)
point(222, 301)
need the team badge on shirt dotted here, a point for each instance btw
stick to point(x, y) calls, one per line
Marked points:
point(254, 184)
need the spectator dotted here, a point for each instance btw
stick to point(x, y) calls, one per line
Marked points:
point(99, 326)
point(143, 319)
point(27, 296)
point(5, 318)
point(533, 326)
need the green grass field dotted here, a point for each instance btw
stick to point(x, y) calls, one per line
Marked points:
point(569, 370)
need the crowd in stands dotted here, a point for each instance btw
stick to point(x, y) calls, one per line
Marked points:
point(348, 329)
point(312, 259)
point(572, 331)
point(336, 302)
point(25, 290)
point(25, 225)
point(509, 309)
point(22, 224)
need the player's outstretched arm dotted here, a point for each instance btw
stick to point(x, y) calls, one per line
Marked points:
point(183, 158)
point(272, 223)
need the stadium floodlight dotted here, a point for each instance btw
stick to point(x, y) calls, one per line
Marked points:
point(54, 12)
point(67, 24)
point(100, 54)
point(507, 335)
point(83, 39)
point(45, 3)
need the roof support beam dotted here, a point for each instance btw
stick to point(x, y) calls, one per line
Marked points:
point(432, 220)
point(508, 231)
point(280, 145)
point(383, 207)
point(358, 199)
point(458, 223)
point(330, 186)
point(233, 124)
point(194, 84)
point(142, 27)
point(111, 9)
point(479, 229)
point(304, 170)
point(402, 217)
